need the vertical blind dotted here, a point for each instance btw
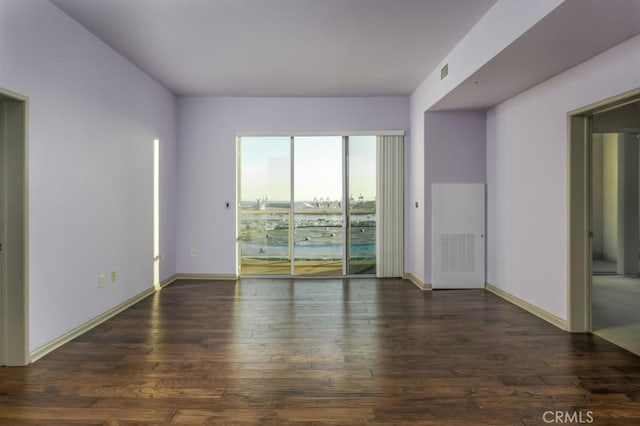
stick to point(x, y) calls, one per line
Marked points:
point(390, 202)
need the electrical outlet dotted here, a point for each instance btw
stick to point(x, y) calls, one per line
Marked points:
point(500, 264)
point(101, 280)
point(114, 276)
point(193, 252)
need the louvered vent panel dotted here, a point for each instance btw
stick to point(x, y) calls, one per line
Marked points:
point(457, 253)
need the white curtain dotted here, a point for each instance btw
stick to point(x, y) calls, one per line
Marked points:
point(390, 206)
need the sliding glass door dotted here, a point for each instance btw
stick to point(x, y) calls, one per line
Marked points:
point(307, 205)
point(318, 216)
point(265, 206)
point(362, 204)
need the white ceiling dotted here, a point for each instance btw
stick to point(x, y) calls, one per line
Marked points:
point(282, 47)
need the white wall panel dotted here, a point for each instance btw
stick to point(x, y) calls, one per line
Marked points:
point(457, 245)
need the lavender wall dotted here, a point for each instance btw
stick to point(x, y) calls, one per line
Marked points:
point(527, 175)
point(92, 120)
point(414, 194)
point(207, 161)
point(504, 23)
point(455, 152)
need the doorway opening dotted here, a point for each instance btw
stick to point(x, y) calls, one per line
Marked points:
point(14, 330)
point(307, 205)
point(604, 229)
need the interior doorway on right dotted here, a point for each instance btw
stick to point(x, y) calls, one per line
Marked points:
point(615, 225)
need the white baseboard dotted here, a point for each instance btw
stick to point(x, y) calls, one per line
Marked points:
point(83, 328)
point(169, 280)
point(539, 312)
point(94, 322)
point(208, 277)
point(417, 282)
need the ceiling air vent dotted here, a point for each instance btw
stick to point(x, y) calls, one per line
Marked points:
point(444, 71)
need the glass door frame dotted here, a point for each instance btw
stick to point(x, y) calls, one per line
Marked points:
point(344, 197)
point(345, 206)
point(346, 237)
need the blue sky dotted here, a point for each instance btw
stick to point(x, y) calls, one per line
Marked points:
point(265, 167)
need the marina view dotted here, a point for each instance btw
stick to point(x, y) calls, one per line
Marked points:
point(294, 218)
point(318, 237)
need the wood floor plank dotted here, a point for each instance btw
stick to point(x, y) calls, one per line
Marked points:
point(61, 414)
point(314, 352)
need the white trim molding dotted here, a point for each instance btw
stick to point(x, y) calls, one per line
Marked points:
point(14, 221)
point(332, 133)
point(207, 277)
point(417, 282)
point(539, 312)
point(94, 322)
point(170, 280)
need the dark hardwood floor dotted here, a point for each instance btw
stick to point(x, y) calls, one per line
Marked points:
point(325, 352)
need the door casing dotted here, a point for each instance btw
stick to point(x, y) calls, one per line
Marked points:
point(14, 289)
point(579, 209)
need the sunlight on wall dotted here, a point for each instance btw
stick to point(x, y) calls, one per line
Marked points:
point(156, 214)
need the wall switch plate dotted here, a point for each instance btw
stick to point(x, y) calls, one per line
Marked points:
point(193, 252)
point(114, 276)
point(101, 280)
